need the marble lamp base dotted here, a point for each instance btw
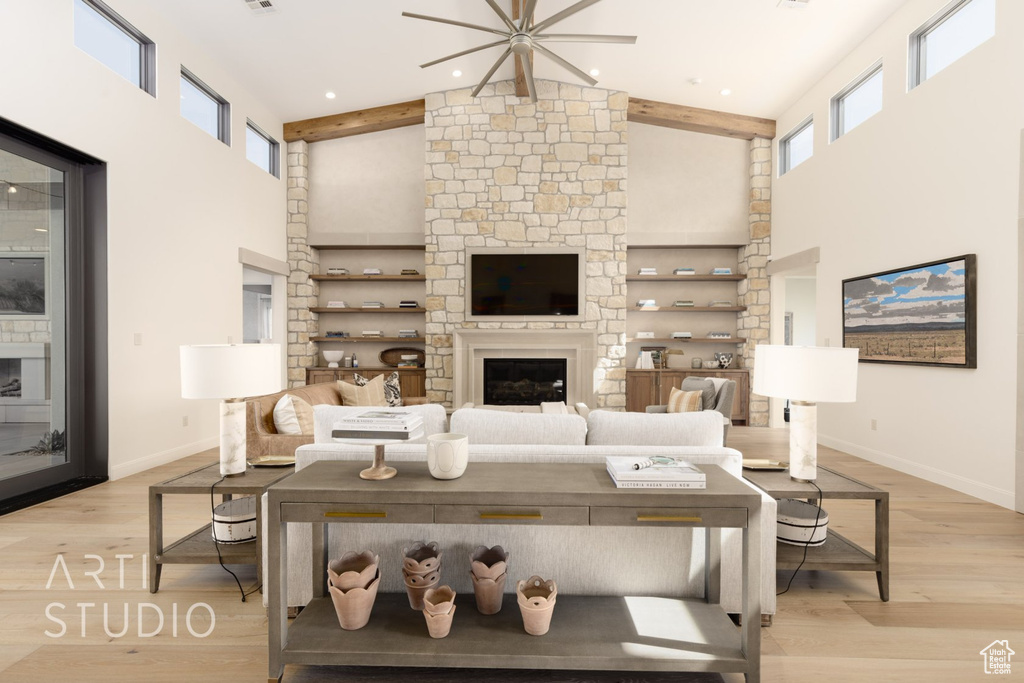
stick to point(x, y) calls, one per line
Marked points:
point(803, 441)
point(232, 438)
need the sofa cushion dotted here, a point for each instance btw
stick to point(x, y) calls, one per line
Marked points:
point(707, 388)
point(607, 428)
point(370, 394)
point(435, 420)
point(293, 416)
point(501, 427)
point(392, 387)
point(685, 401)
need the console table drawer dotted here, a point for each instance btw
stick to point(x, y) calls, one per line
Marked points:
point(357, 512)
point(702, 517)
point(511, 514)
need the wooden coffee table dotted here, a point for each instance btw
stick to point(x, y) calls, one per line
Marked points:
point(837, 553)
point(199, 546)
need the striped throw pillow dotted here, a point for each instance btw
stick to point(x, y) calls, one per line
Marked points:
point(684, 401)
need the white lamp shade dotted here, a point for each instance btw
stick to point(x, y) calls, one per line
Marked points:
point(230, 370)
point(815, 374)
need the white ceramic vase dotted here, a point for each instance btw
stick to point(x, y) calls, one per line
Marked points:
point(447, 455)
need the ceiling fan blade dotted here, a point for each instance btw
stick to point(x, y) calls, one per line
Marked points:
point(585, 38)
point(531, 87)
point(464, 52)
point(524, 23)
point(564, 64)
point(455, 23)
point(567, 12)
point(504, 17)
point(490, 73)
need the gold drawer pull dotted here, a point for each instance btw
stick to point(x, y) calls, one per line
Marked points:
point(355, 514)
point(667, 518)
point(510, 515)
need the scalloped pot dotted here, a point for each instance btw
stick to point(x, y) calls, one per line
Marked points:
point(447, 455)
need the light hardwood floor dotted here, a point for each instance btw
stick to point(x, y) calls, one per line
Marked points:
point(957, 584)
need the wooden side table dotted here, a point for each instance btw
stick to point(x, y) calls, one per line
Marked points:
point(837, 553)
point(199, 546)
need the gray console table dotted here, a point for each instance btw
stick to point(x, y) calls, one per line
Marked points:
point(587, 632)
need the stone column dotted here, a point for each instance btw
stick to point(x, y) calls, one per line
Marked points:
point(754, 292)
point(302, 260)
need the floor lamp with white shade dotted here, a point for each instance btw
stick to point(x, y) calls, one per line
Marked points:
point(230, 372)
point(806, 375)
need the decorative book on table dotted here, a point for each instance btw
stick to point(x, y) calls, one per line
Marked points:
point(653, 473)
point(378, 424)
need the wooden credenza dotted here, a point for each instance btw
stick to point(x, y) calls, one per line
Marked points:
point(413, 380)
point(652, 387)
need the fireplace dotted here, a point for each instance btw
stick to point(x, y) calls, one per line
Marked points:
point(524, 381)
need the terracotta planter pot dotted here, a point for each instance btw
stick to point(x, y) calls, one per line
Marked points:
point(439, 600)
point(353, 570)
point(416, 586)
point(489, 593)
point(536, 599)
point(438, 625)
point(422, 558)
point(354, 606)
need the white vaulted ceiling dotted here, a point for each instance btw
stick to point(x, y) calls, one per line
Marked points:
point(368, 54)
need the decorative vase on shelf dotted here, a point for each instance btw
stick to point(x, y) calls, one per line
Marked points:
point(536, 603)
point(333, 358)
point(488, 571)
point(438, 610)
point(353, 570)
point(724, 360)
point(696, 363)
point(354, 605)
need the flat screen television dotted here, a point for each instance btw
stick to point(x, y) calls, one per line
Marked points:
point(524, 284)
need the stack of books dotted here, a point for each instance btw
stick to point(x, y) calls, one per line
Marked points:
point(645, 335)
point(371, 271)
point(408, 334)
point(720, 303)
point(684, 271)
point(379, 424)
point(337, 271)
point(719, 335)
point(646, 303)
point(721, 271)
point(655, 473)
point(335, 333)
point(647, 271)
point(683, 303)
point(410, 271)
point(373, 304)
point(372, 333)
point(409, 360)
point(682, 335)
point(408, 303)
point(337, 304)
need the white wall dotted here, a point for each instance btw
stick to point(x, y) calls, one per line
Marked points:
point(180, 206)
point(687, 187)
point(801, 301)
point(934, 175)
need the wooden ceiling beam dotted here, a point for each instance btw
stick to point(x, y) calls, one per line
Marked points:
point(699, 120)
point(522, 90)
point(356, 122)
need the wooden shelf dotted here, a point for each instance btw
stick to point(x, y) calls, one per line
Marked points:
point(685, 278)
point(360, 309)
point(688, 309)
point(632, 247)
point(369, 340)
point(691, 340)
point(370, 247)
point(200, 548)
point(377, 278)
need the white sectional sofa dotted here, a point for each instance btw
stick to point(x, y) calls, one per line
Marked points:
point(583, 560)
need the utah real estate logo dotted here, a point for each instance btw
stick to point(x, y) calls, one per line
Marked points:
point(997, 657)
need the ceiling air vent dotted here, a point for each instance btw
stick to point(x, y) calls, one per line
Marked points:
point(259, 7)
point(794, 4)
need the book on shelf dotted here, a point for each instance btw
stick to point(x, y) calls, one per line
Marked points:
point(683, 303)
point(656, 472)
point(720, 303)
point(721, 271)
point(644, 335)
point(684, 271)
point(337, 304)
point(408, 334)
point(682, 335)
point(647, 271)
point(406, 303)
point(646, 303)
point(373, 304)
point(410, 271)
point(337, 271)
point(719, 335)
point(372, 271)
point(373, 333)
point(407, 364)
point(336, 333)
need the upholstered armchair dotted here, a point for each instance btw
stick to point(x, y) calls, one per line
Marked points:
point(721, 400)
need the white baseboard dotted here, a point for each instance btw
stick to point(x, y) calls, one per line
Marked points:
point(149, 461)
point(991, 494)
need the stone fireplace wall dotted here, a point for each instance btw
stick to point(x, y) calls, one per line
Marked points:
point(504, 173)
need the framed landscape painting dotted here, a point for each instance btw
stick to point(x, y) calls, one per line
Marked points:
point(921, 315)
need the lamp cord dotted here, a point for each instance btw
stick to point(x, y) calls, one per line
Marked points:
point(817, 516)
point(216, 544)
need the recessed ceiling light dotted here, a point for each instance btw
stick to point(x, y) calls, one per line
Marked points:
point(329, 95)
point(725, 92)
point(595, 72)
point(456, 73)
point(12, 189)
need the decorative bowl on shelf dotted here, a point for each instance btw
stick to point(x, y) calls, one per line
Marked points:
point(333, 358)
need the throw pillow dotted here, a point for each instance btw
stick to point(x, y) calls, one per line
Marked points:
point(370, 394)
point(293, 416)
point(705, 386)
point(684, 401)
point(392, 388)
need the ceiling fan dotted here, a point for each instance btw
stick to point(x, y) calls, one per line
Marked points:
point(524, 38)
